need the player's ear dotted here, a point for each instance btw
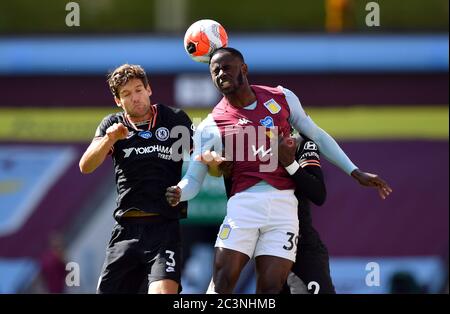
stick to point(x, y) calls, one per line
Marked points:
point(244, 69)
point(118, 103)
point(149, 90)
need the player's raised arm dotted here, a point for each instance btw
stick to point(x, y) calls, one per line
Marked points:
point(100, 147)
point(305, 172)
point(328, 146)
point(206, 136)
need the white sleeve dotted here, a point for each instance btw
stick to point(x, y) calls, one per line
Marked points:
point(326, 144)
point(206, 136)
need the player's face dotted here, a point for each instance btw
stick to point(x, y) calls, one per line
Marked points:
point(134, 98)
point(227, 72)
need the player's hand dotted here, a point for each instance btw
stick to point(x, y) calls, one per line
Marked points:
point(117, 131)
point(173, 195)
point(287, 146)
point(373, 180)
point(212, 160)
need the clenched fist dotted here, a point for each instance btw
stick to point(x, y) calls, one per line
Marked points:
point(217, 165)
point(173, 195)
point(287, 147)
point(117, 131)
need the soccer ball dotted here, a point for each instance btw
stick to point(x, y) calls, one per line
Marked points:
point(202, 38)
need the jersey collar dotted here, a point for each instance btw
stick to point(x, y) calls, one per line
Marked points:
point(151, 124)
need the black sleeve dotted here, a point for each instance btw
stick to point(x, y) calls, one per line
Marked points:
point(104, 125)
point(309, 177)
point(228, 183)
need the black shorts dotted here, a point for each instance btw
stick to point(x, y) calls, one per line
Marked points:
point(312, 264)
point(139, 252)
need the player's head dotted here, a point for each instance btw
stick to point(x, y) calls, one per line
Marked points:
point(129, 85)
point(228, 70)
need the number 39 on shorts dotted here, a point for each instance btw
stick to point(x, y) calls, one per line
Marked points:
point(292, 241)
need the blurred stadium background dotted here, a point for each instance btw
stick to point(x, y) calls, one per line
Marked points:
point(382, 91)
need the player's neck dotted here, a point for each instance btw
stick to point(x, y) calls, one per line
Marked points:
point(139, 119)
point(241, 98)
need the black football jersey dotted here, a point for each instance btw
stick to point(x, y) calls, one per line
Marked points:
point(150, 159)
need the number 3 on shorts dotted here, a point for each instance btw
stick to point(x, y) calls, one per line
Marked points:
point(291, 241)
point(170, 262)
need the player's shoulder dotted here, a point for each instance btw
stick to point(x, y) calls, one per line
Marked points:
point(220, 108)
point(272, 90)
point(176, 115)
point(208, 127)
point(113, 118)
point(280, 90)
point(209, 121)
point(286, 92)
point(169, 109)
point(107, 121)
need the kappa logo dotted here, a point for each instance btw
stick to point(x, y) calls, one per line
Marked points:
point(272, 106)
point(162, 133)
point(267, 122)
point(243, 121)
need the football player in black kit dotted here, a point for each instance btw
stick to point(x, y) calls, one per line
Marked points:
point(312, 260)
point(146, 142)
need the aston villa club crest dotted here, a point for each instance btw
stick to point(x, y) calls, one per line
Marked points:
point(272, 106)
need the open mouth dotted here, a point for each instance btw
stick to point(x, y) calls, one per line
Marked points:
point(225, 83)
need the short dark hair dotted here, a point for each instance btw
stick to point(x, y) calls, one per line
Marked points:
point(231, 50)
point(121, 75)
